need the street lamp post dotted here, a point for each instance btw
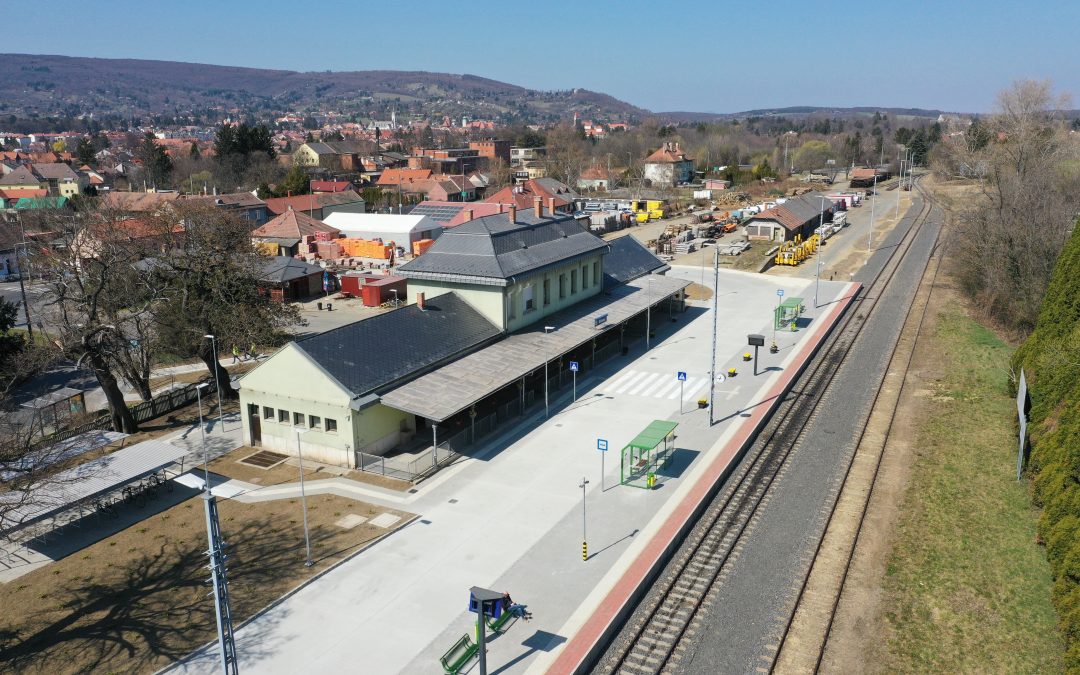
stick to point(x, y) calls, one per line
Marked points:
point(547, 329)
point(217, 381)
point(584, 539)
point(202, 437)
point(303, 497)
point(817, 271)
point(648, 311)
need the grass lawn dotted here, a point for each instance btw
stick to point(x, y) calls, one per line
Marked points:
point(137, 600)
point(967, 587)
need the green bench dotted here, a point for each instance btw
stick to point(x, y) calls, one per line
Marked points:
point(459, 655)
point(498, 624)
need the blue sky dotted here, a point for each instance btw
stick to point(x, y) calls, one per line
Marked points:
point(713, 57)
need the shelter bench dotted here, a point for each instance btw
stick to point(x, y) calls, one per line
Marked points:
point(498, 624)
point(457, 656)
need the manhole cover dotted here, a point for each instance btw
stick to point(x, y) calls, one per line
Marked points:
point(264, 459)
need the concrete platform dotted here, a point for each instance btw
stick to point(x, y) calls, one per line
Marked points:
point(510, 518)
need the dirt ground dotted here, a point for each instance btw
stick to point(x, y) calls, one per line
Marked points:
point(230, 465)
point(137, 600)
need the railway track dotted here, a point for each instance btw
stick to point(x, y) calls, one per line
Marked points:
point(659, 631)
point(819, 597)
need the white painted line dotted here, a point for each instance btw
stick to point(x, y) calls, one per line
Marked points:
point(620, 380)
point(629, 383)
point(671, 388)
point(647, 382)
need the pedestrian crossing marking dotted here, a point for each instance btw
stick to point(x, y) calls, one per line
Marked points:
point(656, 385)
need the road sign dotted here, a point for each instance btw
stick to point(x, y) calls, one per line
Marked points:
point(601, 445)
point(780, 292)
point(574, 366)
point(682, 376)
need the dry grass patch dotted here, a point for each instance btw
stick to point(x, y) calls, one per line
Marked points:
point(138, 600)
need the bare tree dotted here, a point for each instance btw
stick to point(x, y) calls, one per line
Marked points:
point(1010, 235)
point(100, 302)
point(211, 276)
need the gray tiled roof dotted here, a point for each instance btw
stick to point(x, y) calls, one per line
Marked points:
point(628, 259)
point(281, 268)
point(392, 347)
point(492, 250)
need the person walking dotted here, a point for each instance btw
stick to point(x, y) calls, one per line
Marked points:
point(252, 354)
point(235, 355)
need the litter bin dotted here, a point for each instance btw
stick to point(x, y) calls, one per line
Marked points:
point(320, 306)
point(329, 306)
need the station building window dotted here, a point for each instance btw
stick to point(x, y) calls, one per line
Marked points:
point(331, 426)
point(298, 419)
point(573, 281)
point(268, 413)
point(283, 416)
point(547, 292)
point(314, 422)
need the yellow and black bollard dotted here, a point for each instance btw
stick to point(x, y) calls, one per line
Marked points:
point(584, 551)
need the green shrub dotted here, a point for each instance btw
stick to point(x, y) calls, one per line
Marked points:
point(1051, 361)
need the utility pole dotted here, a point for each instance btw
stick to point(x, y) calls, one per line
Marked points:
point(817, 271)
point(22, 286)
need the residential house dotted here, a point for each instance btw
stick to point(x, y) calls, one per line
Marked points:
point(332, 186)
point(596, 177)
point(555, 195)
point(290, 233)
point(393, 178)
point(798, 216)
point(519, 156)
point(23, 178)
point(245, 204)
point(344, 156)
point(139, 202)
point(318, 206)
point(669, 165)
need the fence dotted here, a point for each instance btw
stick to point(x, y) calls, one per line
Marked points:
point(141, 412)
point(168, 402)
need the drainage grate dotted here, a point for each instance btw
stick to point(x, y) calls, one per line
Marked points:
point(264, 459)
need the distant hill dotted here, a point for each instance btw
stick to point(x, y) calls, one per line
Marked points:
point(794, 112)
point(64, 85)
point(45, 85)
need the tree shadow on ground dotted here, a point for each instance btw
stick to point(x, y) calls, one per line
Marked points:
point(153, 611)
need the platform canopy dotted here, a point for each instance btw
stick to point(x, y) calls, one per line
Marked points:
point(450, 389)
point(86, 481)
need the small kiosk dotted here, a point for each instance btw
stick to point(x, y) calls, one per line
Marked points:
point(650, 450)
point(788, 312)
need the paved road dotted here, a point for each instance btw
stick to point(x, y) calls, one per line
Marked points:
point(752, 605)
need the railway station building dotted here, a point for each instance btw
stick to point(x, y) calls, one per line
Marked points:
point(497, 302)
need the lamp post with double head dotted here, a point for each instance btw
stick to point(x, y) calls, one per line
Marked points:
point(202, 437)
point(308, 562)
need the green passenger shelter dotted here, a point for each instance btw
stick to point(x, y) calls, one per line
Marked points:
point(650, 450)
point(788, 311)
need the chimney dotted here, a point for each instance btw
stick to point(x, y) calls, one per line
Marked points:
point(468, 215)
point(420, 301)
point(502, 208)
point(551, 206)
point(538, 206)
point(513, 213)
